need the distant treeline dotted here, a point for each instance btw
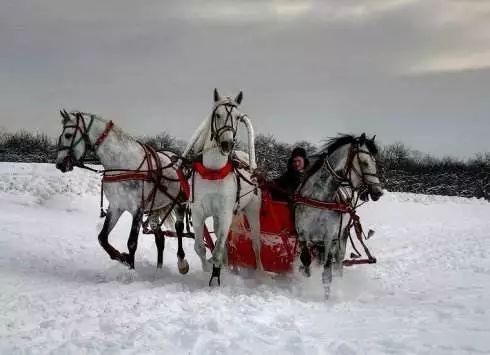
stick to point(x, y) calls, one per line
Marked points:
point(28, 147)
point(400, 168)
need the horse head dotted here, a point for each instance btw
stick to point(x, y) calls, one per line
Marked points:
point(224, 121)
point(73, 141)
point(362, 168)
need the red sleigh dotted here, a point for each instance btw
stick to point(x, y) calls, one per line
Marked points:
point(278, 238)
point(279, 242)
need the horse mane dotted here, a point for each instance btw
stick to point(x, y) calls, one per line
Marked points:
point(332, 144)
point(115, 128)
point(203, 130)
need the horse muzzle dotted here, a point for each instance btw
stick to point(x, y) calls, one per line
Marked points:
point(364, 195)
point(65, 165)
point(226, 146)
point(375, 192)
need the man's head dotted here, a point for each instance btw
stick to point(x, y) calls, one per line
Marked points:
point(298, 159)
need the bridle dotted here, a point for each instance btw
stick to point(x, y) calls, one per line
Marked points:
point(344, 177)
point(229, 124)
point(354, 153)
point(83, 129)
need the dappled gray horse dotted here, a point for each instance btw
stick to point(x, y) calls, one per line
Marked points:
point(136, 179)
point(343, 161)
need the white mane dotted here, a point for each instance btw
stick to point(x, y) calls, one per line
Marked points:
point(202, 134)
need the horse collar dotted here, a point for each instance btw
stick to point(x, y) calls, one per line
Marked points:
point(209, 174)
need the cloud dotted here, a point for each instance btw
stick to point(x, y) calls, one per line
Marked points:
point(454, 62)
point(328, 66)
point(459, 38)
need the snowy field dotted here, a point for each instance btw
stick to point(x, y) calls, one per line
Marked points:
point(61, 294)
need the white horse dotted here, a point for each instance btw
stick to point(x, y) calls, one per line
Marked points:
point(136, 179)
point(221, 189)
point(346, 160)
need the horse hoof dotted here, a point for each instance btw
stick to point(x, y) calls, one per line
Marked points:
point(215, 275)
point(305, 271)
point(125, 259)
point(159, 266)
point(183, 266)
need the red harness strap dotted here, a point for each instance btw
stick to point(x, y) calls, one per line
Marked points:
point(209, 174)
point(184, 184)
point(333, 206)
point(104, 134)
point(127, 177)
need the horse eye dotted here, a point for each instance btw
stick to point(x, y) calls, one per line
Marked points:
point(68, 135)
point(218, 115)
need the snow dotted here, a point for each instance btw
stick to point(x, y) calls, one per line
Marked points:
point(60, 292)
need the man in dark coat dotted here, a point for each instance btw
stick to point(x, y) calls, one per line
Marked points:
point(288, 182)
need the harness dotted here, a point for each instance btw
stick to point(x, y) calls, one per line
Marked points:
point(153, 174)
point(345, 203)
point(232, 166)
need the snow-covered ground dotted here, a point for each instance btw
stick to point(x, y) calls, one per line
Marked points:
point(60, 293)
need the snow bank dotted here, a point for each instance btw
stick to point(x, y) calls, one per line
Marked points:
point(60, 293)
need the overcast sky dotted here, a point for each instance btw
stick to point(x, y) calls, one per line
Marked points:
point(416, 71)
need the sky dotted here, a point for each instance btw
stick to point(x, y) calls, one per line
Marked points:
point(411, 71)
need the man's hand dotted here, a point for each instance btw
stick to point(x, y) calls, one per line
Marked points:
point(259, 177)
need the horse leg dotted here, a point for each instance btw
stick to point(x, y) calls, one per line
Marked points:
point(221, 228)
point(305, 258)
point(199, 247)
point(320, 252)
point(253, 215)
point(133, 239)
point(327, 274)
point(160, 243)
point(339, 253)
point(182, 264)
point(153, 223)
point(109, 223)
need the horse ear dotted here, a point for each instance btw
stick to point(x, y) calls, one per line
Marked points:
point(372, 139)
point(216, 95)
point(239, 98)
point(362, 138)
point(64, 115)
